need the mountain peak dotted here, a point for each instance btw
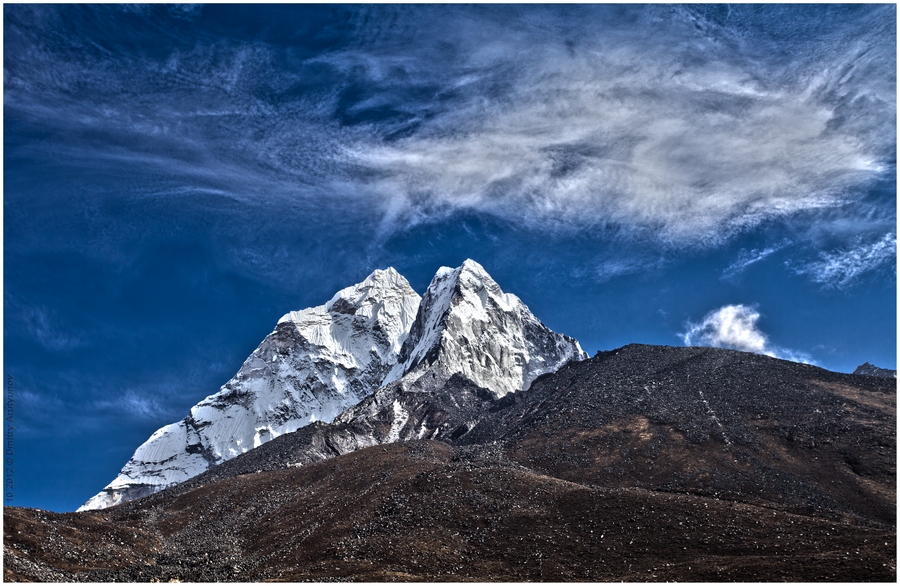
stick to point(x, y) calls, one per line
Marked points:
point(868, 369)
point(468, 270)
point(381, 285)
point(470, 266)
point(467, 325)
point(320, 361)
point(386, 278)
point(315, 364)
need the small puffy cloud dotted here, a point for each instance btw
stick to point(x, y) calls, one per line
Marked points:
point(735, 327)
point(842, 268)
point(732, 326)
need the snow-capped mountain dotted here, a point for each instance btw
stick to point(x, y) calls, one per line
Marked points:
point(470, 343)
point(320, 362)
point(315, 364)
point(467, 325)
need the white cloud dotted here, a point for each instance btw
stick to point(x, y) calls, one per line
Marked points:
point(584, 159)
point(844, 267)
point(686, 145)
point(731, 326)
point(623, 264)
point(735, 327)
point(138, 403)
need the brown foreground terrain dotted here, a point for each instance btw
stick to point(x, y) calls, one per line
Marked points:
point(417, 511)
point(642, 464)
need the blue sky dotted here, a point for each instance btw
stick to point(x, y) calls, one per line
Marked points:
point(179, 177)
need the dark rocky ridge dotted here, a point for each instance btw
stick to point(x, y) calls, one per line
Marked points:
point(644, 463)
point(713, 422)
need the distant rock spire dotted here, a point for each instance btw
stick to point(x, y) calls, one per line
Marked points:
point(872, 370)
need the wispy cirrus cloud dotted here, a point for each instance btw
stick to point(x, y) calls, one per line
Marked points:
point(624, 264)
point(41, 324)
point(747, 258)
point(667, 123)
point(844, 267)
point(735, 327)
point(675, 140)
point(131, 404)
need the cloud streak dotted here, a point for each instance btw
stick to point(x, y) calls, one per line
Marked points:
point(735, 327)
point(136, 404)
point(843, 268)
point(747, 258)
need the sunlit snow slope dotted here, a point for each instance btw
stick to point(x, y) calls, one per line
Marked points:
point(315, 364)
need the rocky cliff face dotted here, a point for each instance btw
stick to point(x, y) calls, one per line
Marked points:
point(315, 364)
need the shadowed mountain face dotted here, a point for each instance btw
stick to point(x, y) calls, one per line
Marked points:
point(644, 463)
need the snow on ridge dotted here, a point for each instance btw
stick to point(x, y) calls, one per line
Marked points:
point(401, 416)
point(443, 271)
